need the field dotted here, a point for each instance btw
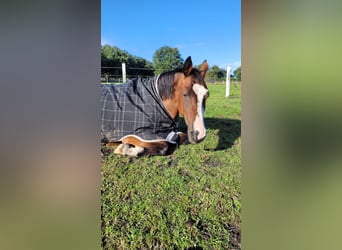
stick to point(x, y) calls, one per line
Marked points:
point(188, 200)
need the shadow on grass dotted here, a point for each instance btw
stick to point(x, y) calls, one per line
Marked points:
point(229, 130)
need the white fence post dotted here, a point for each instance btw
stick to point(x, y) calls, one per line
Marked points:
point(123, 72)
point(228, 81)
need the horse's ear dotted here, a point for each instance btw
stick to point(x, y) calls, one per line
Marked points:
point(204, 68)
point(187, 67)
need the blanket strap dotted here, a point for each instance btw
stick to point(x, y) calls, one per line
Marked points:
point(172, 137)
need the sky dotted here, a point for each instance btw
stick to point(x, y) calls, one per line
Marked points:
point(202, 29)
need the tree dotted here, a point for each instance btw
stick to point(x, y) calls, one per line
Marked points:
point(215, 73)
point(166, 58)
point(112, 57)
point(237, 74)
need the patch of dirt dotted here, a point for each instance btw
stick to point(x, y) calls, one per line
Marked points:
point(234, 233)
point(234, 237)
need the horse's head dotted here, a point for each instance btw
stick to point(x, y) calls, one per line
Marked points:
point(187, 96)
point(184, 92)
point(193, 92)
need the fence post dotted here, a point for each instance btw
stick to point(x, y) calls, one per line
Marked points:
point(123, 72)
point(228, 81)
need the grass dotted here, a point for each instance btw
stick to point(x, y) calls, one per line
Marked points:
point(188, 200)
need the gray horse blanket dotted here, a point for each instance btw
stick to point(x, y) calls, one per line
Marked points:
point(135, 107)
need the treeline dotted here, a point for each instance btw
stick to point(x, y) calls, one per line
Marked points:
point(165, 58)
point(112, 57)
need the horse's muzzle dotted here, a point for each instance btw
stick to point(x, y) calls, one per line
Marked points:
point(193, 137)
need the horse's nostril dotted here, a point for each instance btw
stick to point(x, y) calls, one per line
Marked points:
point(194, 136)
point(194, 132)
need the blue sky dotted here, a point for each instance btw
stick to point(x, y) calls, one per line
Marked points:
point(201, 29)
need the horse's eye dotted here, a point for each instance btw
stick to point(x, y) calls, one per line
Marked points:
point(185, 93)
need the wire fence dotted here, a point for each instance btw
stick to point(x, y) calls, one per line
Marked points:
point(131, 72)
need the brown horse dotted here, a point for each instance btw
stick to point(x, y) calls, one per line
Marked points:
point(179, 92)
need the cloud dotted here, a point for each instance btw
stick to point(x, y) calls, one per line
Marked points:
point(234, 65)
point(106, 41)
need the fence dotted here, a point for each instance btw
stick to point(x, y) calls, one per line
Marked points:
point(122, 75)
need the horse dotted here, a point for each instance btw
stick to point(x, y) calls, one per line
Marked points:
point(141, 116)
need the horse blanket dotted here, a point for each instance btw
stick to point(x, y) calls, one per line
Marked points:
point(135, 107)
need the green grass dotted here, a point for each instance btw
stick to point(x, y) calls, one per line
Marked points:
point(189, 199)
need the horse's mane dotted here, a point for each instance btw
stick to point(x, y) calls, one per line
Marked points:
point(165, 82)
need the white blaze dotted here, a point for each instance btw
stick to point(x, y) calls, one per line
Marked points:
point(199, 120)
